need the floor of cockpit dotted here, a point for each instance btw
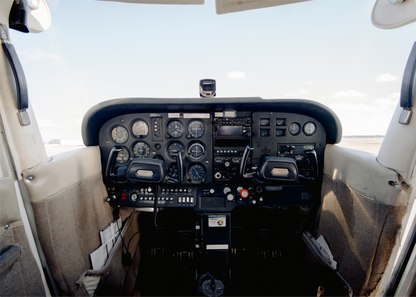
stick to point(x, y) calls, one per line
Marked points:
point(266, 257)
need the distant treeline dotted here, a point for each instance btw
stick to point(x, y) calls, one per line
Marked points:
point(363, 136)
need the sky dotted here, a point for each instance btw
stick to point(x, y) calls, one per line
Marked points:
point(323, 50)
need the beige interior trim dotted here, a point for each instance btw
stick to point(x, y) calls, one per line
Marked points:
point(229, 6)
point(9, 208)
point(61, 172)
point(361, 172)
point(389, 16)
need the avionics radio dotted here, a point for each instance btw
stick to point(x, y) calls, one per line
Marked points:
point(231, 136)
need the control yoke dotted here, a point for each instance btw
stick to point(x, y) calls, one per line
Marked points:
point(278, 168)
point(142, 170)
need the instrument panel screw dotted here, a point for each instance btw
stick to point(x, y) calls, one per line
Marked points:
point(7, 226)
point(30, 178)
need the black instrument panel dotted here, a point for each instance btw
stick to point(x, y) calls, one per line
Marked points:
point(212, 146)
point(167, 133)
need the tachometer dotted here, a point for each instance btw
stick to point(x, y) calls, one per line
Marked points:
point(175, 129)
point(196, 129)
point(175, 147)
point(141, 150)
point(196, 151)
point(140, 128)
point(122, 156)
point(196, 172)
point(119, 134)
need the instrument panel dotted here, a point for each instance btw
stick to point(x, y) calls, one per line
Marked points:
point(160, 136)
point(212, 146)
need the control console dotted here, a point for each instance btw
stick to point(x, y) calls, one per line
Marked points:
point(231, 136)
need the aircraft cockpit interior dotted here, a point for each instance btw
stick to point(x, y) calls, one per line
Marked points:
point(210, 196)
point(226, 187)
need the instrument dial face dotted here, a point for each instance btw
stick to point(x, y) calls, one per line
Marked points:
point(140, 128)
point(264, 122)
point(123, 156)
point(141, 150)
point(196, 129)
point(173, 171)
point(280, 122)
point(294, 128)
point(309, 128)
point(196, 151)
point(196, 172)
point(175, 129)
point(175, 147)
point(119, 134)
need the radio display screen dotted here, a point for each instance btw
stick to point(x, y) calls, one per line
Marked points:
point(230, 130)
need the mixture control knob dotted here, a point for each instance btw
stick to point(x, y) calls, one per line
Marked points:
point(243, 193)
point(230, 197)
point(226, 190)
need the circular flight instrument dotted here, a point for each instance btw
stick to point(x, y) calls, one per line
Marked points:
point(140, 128)
point(173, 171)
point(196, 172)
point(196, 129)
point(175, 129)
point(119, 134)
point(196, 151)
point(141, 150)
point(294, 128)
point(175, 147)
point(309, 128)
point(123, 156)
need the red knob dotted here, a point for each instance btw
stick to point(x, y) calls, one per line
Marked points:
point(243, 193)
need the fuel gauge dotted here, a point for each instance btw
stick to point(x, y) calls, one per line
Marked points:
point(280, 122)
point(280, 132)
point(264, 122)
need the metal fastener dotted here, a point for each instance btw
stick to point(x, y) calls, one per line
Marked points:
point(7, 226)
point(30, 178)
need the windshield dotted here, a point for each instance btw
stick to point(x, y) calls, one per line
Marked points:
point(327, 51)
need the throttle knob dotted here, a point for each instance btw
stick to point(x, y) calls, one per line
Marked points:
point(243, 193)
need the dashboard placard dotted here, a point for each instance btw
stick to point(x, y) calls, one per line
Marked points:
point(217, 221)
